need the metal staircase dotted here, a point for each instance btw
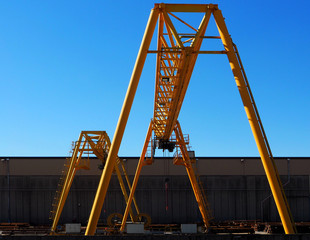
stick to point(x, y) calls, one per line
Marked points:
point(59, 189)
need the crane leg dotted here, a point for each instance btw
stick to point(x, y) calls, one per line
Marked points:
point(67, 185)
point(63, 199)
point(119, 132)
point(256, 126)
point(137, 175)
point(123, 188)
point(202, 204)
point(129, 186)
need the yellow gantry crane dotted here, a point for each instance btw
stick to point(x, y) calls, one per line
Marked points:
point(176, 53)
point(90, 143)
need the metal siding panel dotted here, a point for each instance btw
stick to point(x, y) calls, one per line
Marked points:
point(250, 198)
point(176, 205)
point(230, 197)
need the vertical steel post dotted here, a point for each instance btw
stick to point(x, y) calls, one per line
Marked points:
point(256, 126)
point(119, 132)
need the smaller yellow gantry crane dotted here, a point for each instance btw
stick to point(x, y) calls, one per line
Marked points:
point(90, 144)
point(176, 53)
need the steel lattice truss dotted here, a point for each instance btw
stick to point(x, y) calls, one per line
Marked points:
point(176, 56)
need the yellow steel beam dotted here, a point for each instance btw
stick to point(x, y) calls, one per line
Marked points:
point(137, 175)
point(123, 188)
point(62, 201)
point(256, 126)
point(196, 44)
point(93, 147)
point(67, 185)
point(191, 175)
point(185, 7)
point(129, 186)
point(118, 135)
point(159, 44)
point(185, 23)
point(172, 29)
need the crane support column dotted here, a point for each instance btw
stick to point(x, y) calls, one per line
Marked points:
point(65, 189)
point(119, 132)
point(256, 126)
point(137, 175)
point(191, 175)
point(129, 186)
point(123, 188)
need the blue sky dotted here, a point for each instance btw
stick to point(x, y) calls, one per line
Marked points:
point(65, 67)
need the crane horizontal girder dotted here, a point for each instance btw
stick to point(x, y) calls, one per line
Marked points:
point(176, 57)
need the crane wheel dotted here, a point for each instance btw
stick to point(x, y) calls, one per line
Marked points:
point(143, 217)
point(114, 218)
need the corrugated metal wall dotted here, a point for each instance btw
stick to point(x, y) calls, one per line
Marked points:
point(230, 198)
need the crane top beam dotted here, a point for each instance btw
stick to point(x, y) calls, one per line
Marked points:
point(185, 7)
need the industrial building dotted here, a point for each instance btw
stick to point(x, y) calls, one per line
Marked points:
point(236, 188)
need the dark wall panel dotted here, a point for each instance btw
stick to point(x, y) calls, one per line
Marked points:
point(167, 199)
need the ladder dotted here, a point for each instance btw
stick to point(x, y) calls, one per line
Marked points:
point(60, 185)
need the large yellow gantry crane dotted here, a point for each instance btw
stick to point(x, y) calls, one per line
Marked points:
point(176, 56)
point(90, 144)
